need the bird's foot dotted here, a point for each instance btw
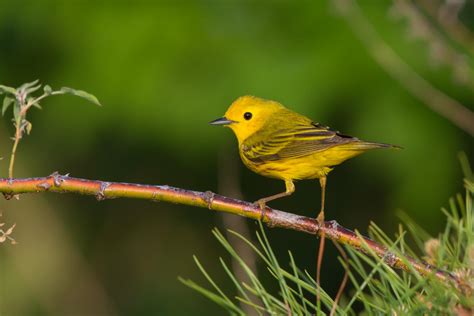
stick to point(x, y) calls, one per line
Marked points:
point(320, 218)
point(262, 205)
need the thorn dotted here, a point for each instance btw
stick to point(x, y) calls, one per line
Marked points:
point(57, 179)
point(153, 196)
point(100, 196)
point(333, 224)
point(209, 198)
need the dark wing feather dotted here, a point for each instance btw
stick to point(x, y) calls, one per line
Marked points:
point(304, 138)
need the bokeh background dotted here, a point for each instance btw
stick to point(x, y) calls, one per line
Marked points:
point(162, 70)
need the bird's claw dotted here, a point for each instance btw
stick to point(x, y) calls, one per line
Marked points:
point(320, 218)
point(262, 205)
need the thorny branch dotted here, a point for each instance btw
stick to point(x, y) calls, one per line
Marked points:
point(271, 217)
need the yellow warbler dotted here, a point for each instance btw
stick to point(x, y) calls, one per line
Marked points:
point(278, 143)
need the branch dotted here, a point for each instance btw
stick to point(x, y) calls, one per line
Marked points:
point(271, 217)
point(395, 66)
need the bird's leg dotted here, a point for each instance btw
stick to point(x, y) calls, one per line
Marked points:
point(290, 188)
point(320, 219)
point(322, 182)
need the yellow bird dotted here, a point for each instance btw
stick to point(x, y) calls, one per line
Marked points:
point(278, 143)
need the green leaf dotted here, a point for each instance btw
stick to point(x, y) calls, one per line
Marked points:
point(47, 90)
point(212, 296)
point(80, 93)
point(7, 101)
point(28, 85)
point(211, 281)
point(7, 89)
point(28, 127)
point(16, 112)
point(33, 89)
point(67, 90)
point(36, 104)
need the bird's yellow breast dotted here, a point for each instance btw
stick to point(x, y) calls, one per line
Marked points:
point(312, 166)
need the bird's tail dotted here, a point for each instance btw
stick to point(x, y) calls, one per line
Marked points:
point(355, 148)
point(363, 145)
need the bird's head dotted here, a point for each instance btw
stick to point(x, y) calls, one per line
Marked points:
point(248, 114)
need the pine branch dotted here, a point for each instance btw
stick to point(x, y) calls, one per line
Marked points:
point(271, 217)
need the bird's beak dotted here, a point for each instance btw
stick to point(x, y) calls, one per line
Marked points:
point(221, 121)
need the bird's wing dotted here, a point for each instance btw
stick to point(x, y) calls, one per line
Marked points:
point(301, 139)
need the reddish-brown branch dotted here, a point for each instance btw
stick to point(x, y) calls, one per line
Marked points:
point(271, 217)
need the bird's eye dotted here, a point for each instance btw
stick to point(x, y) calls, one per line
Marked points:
point(247, 115)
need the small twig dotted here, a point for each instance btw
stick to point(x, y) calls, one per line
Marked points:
point(272, 217)
point(33, 101)
point(319, 262)
point(24, 105)
point(344, 279)
point(6, 234)
point(446, 14)
point(12, 156)
point(396, 67)
point(23, 101)
point(441, 48)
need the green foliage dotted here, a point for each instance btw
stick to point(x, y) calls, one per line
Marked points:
point(296, 287)
point(22, 100)
point(376, 286)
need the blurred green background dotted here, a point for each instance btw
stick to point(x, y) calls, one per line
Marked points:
point(162, 70)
